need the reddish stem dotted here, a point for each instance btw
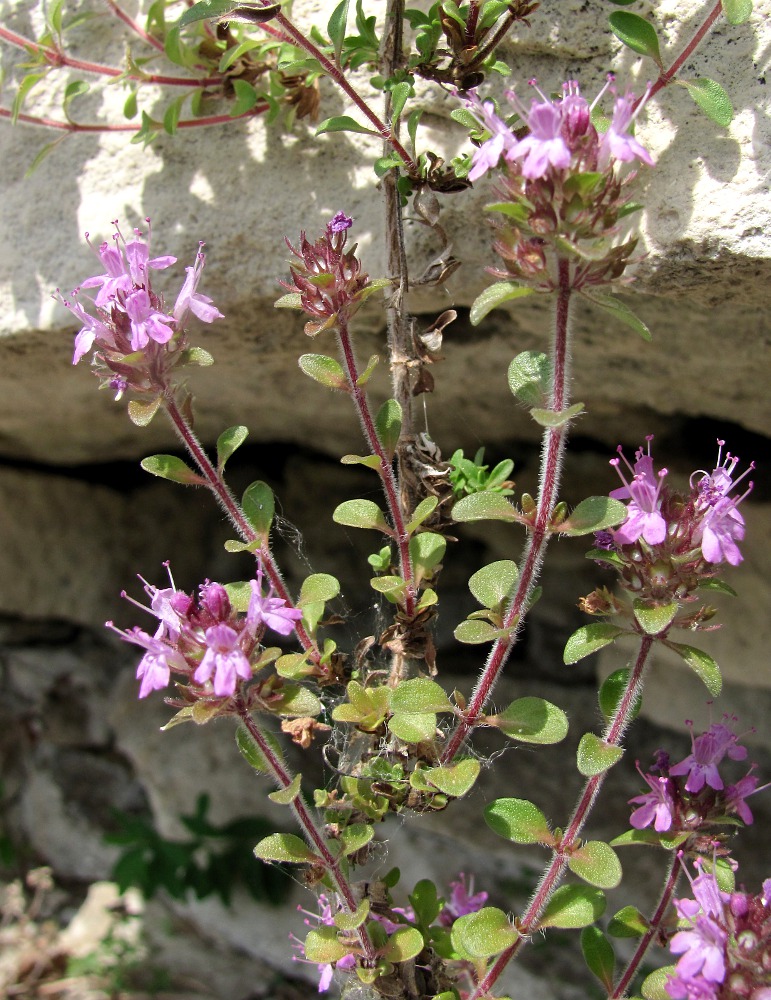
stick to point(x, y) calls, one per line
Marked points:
point(556, 869)
point(135, 26)
point(57, 58)
point(670, 884)
point(339, 77)
point(665, 76)
point(312, 834)
point(552, 453)
point(65, 126)
point(232, 508)
point(385, 470)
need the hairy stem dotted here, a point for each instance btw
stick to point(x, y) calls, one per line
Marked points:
point(310, 830)
point(232, 508)
point(334, 71)
point(385, 469)
point(552, 454)
point(553, 874)
point(665, 76)
point(665, 899)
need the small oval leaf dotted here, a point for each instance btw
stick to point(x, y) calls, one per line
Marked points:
point(654, 619)
point(596, 863)
point(483, 934)
point(532, 720)
point(573, 906)
point(172, 468)
point(595, 755)
point(712, 99)
point(530, 377)
point(702, 664)
point(486, 505)
point(598, 955)
point(259, 507)
point(388, 424)
point(588, 639)
point(636, 33)
point(612, 691)
point(454, 779)
point(284, 847)
point(594, 514)
point(518, 820)
point(494, 583)
point(324, 370)
point(228, 442)
point(494, 296)
point(419, 694)
point(361, 514)
point(403, 944)
point(318, 587)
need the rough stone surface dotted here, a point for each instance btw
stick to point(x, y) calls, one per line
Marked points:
point(78, 519)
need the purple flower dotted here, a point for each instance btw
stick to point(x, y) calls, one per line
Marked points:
point(325, 916)
point(121, 274)
point(270, 611)
point(656, 806)
point(93, 329)
point(703, 945)
point(462, 900)
point(146, 323)
point(190, 299)
point(339, 223)
point(709, 749)
point(225, 659)
point(159, 659)
point(616, 143)
point(735, 796)
point(545, 146)
point(643, 517)
point(721, 525)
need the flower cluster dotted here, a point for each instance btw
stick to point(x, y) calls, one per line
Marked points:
point(560, 182)
point(135, 340)
point(724, 943)
point(327, 278)
point(462, 900)
point(560, 134)
point(692, 795)
point(669, 542)
point(204, 639)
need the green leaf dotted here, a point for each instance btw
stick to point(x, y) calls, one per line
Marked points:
point(595, 755)
point(494, 296)
point(343, 123)
point(246, 98)
point(531, 720)
point(367, 373)
point(336, 27)
point(530, 377)
point(649, 838)
point(518, 820)
point(454, 779)
point(483, 934)
point(413, 727)
point(427, 551)
point(616, 308)
point(403, 944)
point(486, 505)
point(293, 666)
point(702, 665)
point(228, 442)
point(361, 514)
point(493, 584)
point(598, 955)
point(292, 300)
point(355, 836)
point(474, 632)
point(573, 906)
point(596, 863)
point(196, 356)
point(588, 639)
point(654, 986)
point(322, 946)
point(654, 619)
point(286, 796)
point(284, 847)
point(419, 694)
point(627, 923)
point(424, 509)
point(206, 10)
point(594, 514)
point(350, 921)
point(391, 587)
point(388, 424)
point(737, 11)
point(251, 752)
point(718, 585)
point(371, 461)
point(259, 507)
point(296, 702)
point(425, 902)
point(72, 91)
point(712, 99)
point(412, 125)
point(141, 412)
point(556, 418)
point(612, 691)
point(318, 587)
point(637, 34)
point(170, 467)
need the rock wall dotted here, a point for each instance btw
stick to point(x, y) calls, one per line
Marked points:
point(79, 519)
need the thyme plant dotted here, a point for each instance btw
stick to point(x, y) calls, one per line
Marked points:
point(564, 170)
